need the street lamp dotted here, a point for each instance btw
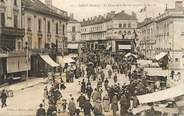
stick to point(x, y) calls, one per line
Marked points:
point(27, 57)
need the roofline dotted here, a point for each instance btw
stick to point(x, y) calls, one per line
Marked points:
point(47, 13)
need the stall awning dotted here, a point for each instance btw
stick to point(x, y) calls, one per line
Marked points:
point(124, 47)
point(156, 72)
point(49, 60)
point(160, 56)
point(147, 63)
point(73, 46)
point(130, 54)
point(163, 95)
point(63, 60)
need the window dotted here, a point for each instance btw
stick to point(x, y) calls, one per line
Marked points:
point(176, 59)
point(2, 0)
point(39, 25)
point(2, 19)
point(63, 29)
point(73, 29)
point(124, 25)
point(120, 25)
point(183, 56)
point(129, 25)
point(129, 32)
point(125, 32)
point(73, 38)
point(48, 26)
point(39, 42)
point(15, 21)
point(15, 2)
point(29, 24)
point(19, 45)
point(56, 28)
point(120, 32)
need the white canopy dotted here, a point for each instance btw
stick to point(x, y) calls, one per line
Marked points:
point(130, 54)
point(73, 46)
point(162, 95)
point(140, 109)
point(160, 55)
point(147, 63)
point(108, 47)
point(63, 60)
point(156, 72)
point(49, 60)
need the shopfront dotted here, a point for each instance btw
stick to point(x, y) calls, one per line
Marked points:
point(17, 67)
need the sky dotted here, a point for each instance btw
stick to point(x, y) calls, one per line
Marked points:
point(83, 9)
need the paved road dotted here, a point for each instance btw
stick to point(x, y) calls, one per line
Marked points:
point(25, 102)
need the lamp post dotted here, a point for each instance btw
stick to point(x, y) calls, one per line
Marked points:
point(27, 57)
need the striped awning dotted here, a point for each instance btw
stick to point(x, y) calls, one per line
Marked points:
point(49, 60)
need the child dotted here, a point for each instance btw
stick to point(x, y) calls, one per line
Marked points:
point(64, 103)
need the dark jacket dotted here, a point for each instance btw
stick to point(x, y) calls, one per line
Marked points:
point(87, 108)
point(40, 112)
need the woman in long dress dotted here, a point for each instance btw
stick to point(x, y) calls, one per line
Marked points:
point(106, 103)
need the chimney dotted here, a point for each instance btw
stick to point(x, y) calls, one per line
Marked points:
point(179, 5)
point(113, 12)
point(134, 14)
point(71, 15)
point(48, 3)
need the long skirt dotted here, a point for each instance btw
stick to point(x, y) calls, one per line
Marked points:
point(106, 105)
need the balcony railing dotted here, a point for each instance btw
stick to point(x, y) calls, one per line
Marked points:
point(17, 53)
point(42, 51)
point(39, 34)
point(48, 35)
point(11, 31)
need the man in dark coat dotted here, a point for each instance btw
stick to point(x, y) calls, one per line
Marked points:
point(41, 111)
point(87, 108)
point(124, 106)
point(51, 109)
point(115, 78)
point(83, 86)
point(89, 91)
point(3, 98)
point(81, 101)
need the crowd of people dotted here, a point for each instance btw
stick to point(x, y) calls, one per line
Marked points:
point(102, 97)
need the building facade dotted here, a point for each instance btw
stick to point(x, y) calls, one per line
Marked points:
point(164, 33)
point(45, 31)
point(110, 30)
point(13, 61)
point(73, 35)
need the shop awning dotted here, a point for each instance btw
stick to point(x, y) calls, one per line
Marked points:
point(17, 64)
point(73, 46)
point(108, 47)
point(63, 60)
point(49, 60)
point(160, 55)
point(156, 72)
point(130, 54)
point(163, 95)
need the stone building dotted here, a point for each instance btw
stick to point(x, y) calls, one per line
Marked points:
point(73, 35)
point(163, 35)
point(13, 60)
point(45, 32)
point(113, 30)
